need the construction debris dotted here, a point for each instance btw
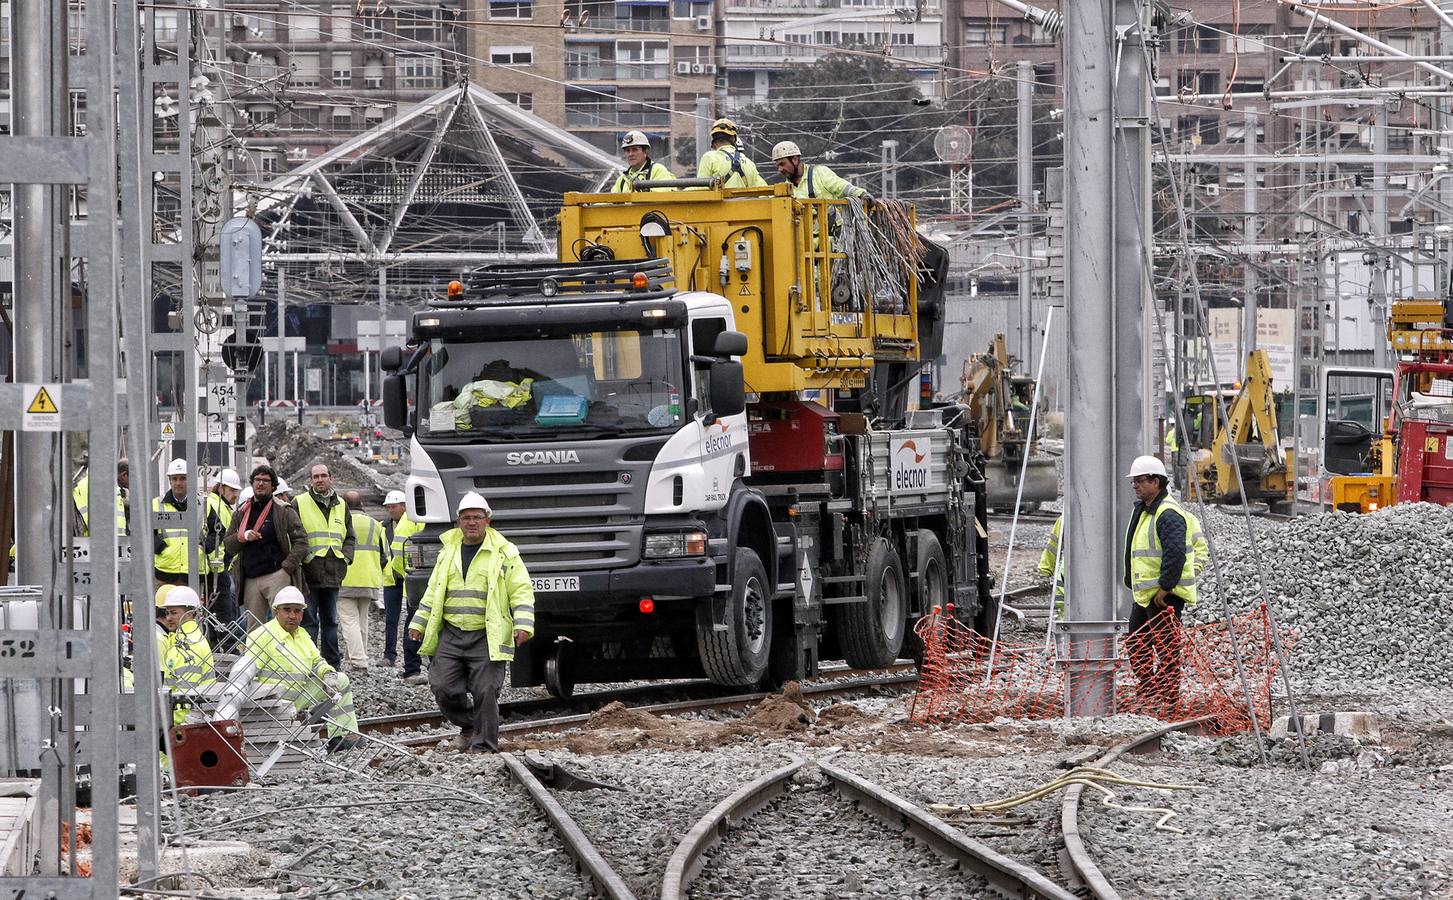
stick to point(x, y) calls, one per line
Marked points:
point(293, 449)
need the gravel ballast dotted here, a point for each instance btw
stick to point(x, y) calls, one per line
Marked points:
point(811, 843)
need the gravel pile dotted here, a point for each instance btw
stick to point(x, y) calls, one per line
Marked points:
point(1369, 594)
point(810, 843)
point(465, 831)
point(663, 794)
point(1352, 831)
point(293, 449)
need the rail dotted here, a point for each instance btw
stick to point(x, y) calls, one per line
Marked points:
point(1083, 864)
point(1005, 875)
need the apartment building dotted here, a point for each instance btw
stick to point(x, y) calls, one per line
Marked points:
point(766, 38)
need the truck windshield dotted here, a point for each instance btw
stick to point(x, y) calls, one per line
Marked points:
point(614, 382)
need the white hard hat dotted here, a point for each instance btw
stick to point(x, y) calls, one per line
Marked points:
point(176, 467)
point(282, 487)
point(785, 149)
point(181, 595)
point(473, 500)
point(1148, 465)
point(289, 595)
point(393, 497)
point(229, 479)
point(636, 139)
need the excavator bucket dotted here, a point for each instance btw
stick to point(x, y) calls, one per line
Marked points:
point(1041, 483)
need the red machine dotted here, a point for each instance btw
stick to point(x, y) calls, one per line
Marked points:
point(1422, 420)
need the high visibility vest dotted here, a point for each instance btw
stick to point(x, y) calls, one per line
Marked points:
point(188, 660)
point(173, 558)
point(403, 529)
point(81, 496)
point(1146, 552)
point(494, 595)
point(370, 554)
point(1052, 552)
point(287, 659)
point(217, 561)
point(649, 171)
point(325, 533)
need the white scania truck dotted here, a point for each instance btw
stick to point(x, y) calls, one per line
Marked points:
point(694, 429)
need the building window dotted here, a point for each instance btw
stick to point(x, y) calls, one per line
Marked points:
point(983, 36)
point(164, 29)
point(415, 70)
point(1200, 39)
point(342, 25)
point(511, 9)
point(261, 115)
point(343, 117)
point(525, 101)
point(375, 27)
point(512, 56)
point(373, 74)
point(690, 9)
point(691, 54)
point(342, 70)
point(304, 29)
point(418, 25)
point(1044, 78)
point(305, 70)
point(374, 115)
point(1203, 130)
point(270, 162)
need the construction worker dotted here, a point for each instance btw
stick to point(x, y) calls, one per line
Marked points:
point(186, 659)
point(1164, 552)
point(266, 542)
point(81, 495)
point(725, 160)
point(1051, 565)
point(813, 181)
point(478, 607)
point(330, 551)
point(173, 547)
point(280, 658)
point(397, 528)
point(639, 166)
point(221, 599)
point(362, 583)
point(284, 492)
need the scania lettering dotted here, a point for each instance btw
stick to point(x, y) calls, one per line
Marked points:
point(697, 434)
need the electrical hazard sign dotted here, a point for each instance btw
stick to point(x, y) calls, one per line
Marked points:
point(42, 410)
point(168, 431)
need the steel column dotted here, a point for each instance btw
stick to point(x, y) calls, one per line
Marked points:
point(1025, 127)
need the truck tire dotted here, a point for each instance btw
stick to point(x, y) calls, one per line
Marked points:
point(738, 656)
point(871, 632)
point(933, 589)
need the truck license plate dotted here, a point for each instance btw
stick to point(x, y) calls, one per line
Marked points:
point(555, 584)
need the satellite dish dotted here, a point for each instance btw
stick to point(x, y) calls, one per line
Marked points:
point(952, 143)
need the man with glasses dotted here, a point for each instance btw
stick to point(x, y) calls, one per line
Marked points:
point(1164, 553)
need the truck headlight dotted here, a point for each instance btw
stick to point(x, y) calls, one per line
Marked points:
point(664, 545)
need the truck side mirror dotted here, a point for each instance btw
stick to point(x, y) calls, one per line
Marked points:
point(391, 359)
point(728, 390)
point(730, 343)
point(395, 401)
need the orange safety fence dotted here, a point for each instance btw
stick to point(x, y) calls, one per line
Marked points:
point(1165, 670)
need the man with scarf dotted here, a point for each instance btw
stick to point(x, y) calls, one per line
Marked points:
point(329, 533)
point(266, 543)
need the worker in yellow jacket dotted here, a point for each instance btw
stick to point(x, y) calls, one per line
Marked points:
point(639, 166)
point(1051, 565)
point(280, 658)
point(187, 663)
point(725, 159)
point(362, 583)
point(81, 495)
point(478, 607)
point(813, 181)
point(397, 529)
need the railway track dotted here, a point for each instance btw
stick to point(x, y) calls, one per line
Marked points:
point(1081, 861)
point(527, 718)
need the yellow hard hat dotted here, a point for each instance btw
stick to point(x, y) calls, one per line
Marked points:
point(724, 126)
point(161, 593)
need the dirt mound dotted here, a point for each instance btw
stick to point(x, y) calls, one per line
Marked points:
point(844, 714)
point(618, 715)
point(292, 449)
point(778, 714)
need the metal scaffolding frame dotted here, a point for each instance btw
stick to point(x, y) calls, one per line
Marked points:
point(69, 219)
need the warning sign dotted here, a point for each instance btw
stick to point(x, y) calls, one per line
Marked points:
point(42, 407)
point(168, 431)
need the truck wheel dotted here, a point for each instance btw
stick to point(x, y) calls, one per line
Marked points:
point(738, 656)
point(933, 589)
point(871, 632)
point(559, 680)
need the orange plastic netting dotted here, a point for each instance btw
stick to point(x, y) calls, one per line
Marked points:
point(1166, 670)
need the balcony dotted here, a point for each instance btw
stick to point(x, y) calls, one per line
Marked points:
point(610, 26)
point(608, 115)
point(607, 70)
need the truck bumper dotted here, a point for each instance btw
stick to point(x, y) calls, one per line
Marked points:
point(659, 579)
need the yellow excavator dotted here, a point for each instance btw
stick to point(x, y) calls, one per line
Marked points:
point(1249, 443)
point(999, 402)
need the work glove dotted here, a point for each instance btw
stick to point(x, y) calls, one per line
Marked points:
point(331, 682)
